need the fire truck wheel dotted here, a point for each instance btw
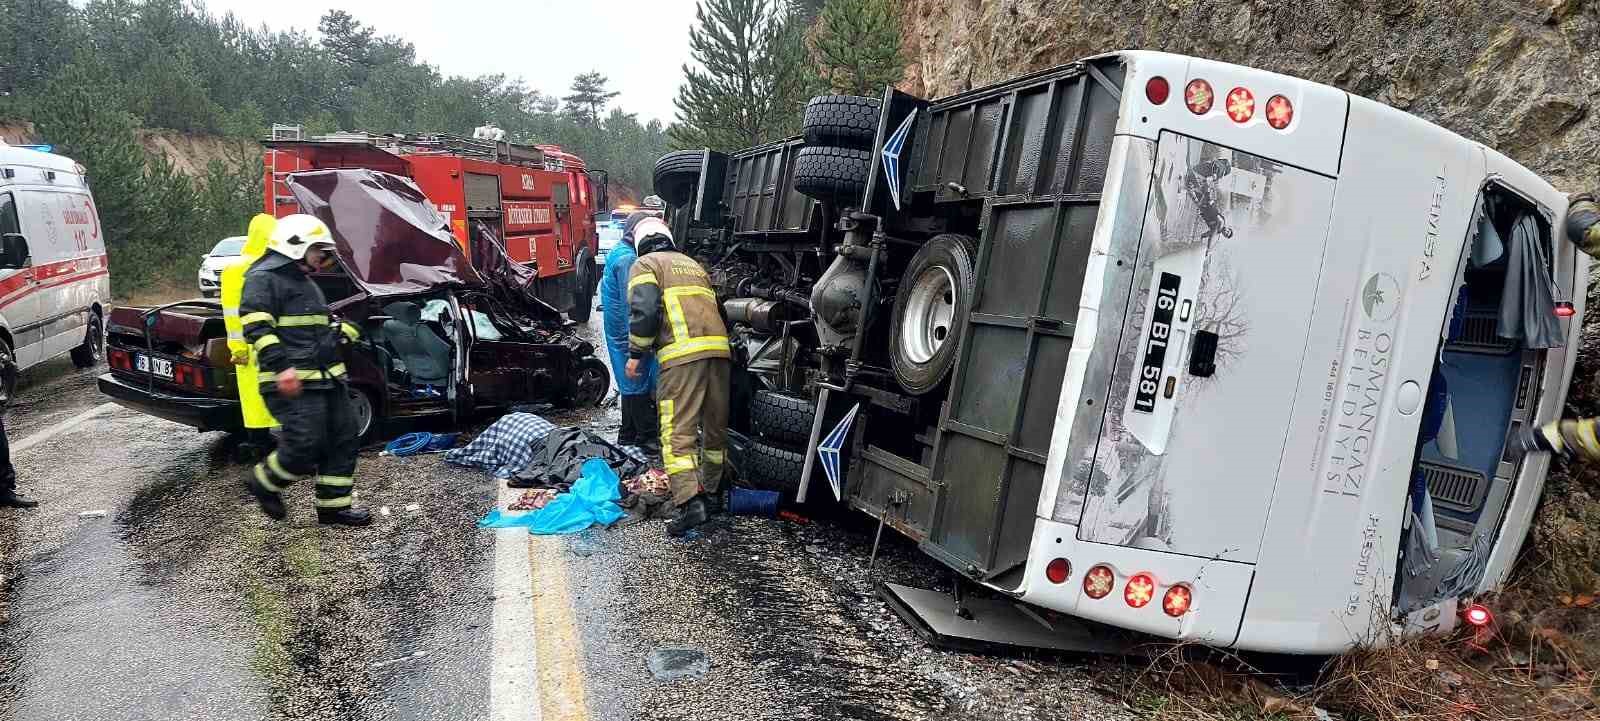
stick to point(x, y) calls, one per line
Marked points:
point(676, 175)
point(782, 418)
point(772, 468)
point(846, 121)
point(832, 174)
point(582, 290)
point(935, 296)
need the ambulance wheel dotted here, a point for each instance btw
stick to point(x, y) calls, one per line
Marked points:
point(772, 468)
point(832, 174)
point(782, 418)
point(676, 174)
point(8, 373)
point(846, 121)
point(93, 349)
point(935, 297)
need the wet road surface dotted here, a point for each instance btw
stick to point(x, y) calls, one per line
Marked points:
point(183, 602)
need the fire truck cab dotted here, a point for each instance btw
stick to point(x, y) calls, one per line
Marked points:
point(539, 199)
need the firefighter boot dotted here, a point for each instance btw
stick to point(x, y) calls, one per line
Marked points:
point(690, 516)
point(269, 500)
point(10, 499)
point(343, 517)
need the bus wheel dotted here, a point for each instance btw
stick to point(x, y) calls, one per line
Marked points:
point(930, 308)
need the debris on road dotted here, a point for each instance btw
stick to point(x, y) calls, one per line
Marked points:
point(675, 663)
point(593, 499)
point(533, 499)
point(402, 659)
point(92, 514)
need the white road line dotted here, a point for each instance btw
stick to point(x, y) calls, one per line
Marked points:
point(514, 680)
point(60, 428)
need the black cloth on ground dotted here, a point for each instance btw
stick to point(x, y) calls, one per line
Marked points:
point(558, 460)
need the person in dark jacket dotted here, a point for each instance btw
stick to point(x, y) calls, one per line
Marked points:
point(639, 422)
point(675, 319)
point(286, 321)
point(9, 498)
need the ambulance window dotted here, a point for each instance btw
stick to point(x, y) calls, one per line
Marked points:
point(8, 215)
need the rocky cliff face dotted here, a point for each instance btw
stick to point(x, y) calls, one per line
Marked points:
point(1520, 76)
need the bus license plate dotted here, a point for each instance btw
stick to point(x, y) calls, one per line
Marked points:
point(158, 367)
point(1155, 348)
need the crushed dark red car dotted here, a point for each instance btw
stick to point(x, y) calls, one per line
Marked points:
point(505, 346)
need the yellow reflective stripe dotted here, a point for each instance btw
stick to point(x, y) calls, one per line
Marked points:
point(340, 502)
point(674, 463)
point(339, 481)
point(261, 477)
point(264, 342)
point(292, 320)
point(350, 331)
point(230, 312)
point(258, 317)
point(714, 457)
point(334, 371)
point(645, 277)
point(1586, 437)
point(235, 336)
point(683, 290)
point(680, 324)
point(278, 469)
point(693, 345)
point(641, 341)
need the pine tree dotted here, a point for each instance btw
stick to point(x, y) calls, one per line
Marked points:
point(751, 82)
point(589, 97)
point(857, 46)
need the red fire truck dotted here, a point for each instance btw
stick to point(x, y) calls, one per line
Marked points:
point(538, 198)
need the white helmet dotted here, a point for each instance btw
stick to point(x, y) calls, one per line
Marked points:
point(295, 234)
point(650, 235)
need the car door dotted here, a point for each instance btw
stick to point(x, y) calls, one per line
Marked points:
point(19, 303)
point(504, 369)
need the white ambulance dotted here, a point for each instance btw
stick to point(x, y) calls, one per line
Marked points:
point(54, 279)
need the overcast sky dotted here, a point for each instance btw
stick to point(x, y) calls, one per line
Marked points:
point(641, 45)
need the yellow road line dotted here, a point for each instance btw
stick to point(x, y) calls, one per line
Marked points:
point(562, 695)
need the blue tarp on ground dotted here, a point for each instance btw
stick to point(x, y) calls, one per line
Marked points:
point(593, 499)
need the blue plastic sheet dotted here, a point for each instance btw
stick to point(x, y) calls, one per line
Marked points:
point(593, 499)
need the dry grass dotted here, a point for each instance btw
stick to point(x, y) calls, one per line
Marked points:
point(159, 294)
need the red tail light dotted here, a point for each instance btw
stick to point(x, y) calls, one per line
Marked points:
point(1098, 582)
point(1241, 105)
point(1157, 90)
point(1140, 589)
point(1058, 570)
point(1198, 96)
point(1477, 615)
point(1280, 112)
point(1564, 309)
point(1176, 602)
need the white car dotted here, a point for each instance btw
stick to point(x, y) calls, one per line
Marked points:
point(54, 279)
point(211, 264)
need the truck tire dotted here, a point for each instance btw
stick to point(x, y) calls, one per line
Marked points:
point(930, 311)
point(832, 174)
point(772, 468)
point(676, 175)
point(781, 418)
point(845, 121)
point(582, 288)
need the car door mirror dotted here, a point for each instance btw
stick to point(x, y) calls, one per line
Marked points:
point(14, 251)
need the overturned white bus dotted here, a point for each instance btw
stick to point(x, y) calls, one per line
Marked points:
point(1172, 345)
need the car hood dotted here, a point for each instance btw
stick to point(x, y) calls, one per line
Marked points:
point(393, 242)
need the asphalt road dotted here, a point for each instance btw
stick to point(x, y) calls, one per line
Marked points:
point(183, 602)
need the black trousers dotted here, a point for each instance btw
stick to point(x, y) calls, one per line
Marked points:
point(8, 473)
point(319, 437)
point(640, 425)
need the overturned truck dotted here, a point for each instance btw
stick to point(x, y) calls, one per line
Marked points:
point(1171, 345)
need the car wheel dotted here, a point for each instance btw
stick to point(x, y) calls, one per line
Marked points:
point(832, 174)
point(365, 412)
point(782, 418)
point(676, 174)
point(846, 121)
point(93, 349)
point(935, 296)
point(591, 382)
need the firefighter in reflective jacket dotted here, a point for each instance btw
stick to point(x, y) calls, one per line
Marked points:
point(254, 409)
point(287, 324)
point(1571, 437)
point(673, 315)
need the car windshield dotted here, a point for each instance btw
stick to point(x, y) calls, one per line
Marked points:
point(229, 246)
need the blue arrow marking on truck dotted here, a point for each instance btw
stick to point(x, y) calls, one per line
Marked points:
point(891, 159)
point(828, 451)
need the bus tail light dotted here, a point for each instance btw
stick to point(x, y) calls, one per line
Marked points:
point(1156, 90)
point(1240, 105)
point(1198, 96)
point(1280, 112)
point(1140, 589)
point(1177, 601)
point(1564, 309)
point(1058, 571)
point(1098, 582)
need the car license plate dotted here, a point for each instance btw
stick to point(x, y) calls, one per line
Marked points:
point(158, 367)
point(1155, 348)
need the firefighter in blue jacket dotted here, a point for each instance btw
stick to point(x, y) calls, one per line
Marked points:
point(640, 426)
